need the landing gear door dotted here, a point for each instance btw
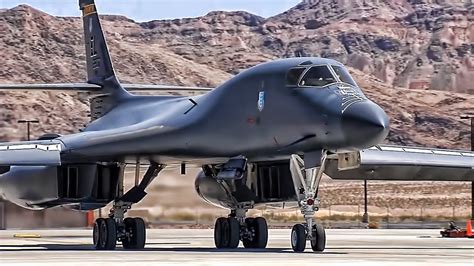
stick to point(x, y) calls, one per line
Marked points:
point(234, 169)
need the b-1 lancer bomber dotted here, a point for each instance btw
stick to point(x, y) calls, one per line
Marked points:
point(264, 137)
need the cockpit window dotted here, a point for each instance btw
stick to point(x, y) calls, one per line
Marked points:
point(318, 76)
point(294, 76)
point(343, 75)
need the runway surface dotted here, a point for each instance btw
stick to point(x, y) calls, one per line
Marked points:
point(196, 246)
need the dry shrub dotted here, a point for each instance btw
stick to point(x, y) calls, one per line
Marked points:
point(373, 225)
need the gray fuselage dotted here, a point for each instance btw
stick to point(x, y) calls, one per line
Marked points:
point(256, 114)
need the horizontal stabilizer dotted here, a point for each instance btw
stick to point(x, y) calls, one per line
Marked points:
point(96, 88)
point(407, 164)
point(44, 153)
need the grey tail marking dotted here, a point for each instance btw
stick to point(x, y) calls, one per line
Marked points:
point(100, 70)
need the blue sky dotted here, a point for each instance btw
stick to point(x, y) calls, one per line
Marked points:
point(145, 10)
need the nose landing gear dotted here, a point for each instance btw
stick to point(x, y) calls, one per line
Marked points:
point(306, 181)
point(318, 242)
point(299, 236)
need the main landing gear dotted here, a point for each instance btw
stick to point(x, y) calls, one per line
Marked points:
point(130, 231)
point(228, 232)
point(306, 178)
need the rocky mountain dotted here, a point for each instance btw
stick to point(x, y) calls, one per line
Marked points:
point(396, 50)
point(404, 43)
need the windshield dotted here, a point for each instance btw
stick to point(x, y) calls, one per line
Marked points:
point(318, 76)
point(294, 76)
point(343, 75)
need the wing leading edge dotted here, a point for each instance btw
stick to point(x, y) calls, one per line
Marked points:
point(86, 87)
point(407, 164)
point(33, 153)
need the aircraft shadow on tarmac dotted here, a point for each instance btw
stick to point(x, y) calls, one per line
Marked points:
point(88, 247)
point(403, 248)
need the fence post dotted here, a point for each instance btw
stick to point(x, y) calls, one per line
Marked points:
point(421, 216)
point(365, 218)
point(2, 216)
point(358, 216)
point(330, 219)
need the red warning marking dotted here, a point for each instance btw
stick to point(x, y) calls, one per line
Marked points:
point(250, 120)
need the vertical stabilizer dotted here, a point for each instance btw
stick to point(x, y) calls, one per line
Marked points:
point(100, 70)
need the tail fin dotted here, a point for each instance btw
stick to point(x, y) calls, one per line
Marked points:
point(100, 70)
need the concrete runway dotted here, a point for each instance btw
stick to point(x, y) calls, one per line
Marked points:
point(195, 246)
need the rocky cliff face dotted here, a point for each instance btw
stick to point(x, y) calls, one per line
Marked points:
point(395, 49)
point(409, 44)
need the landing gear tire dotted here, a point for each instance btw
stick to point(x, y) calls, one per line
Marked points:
point(135, 233)
point(105, 234)
point(226, 233)
point(260, 233)
point(96, 236)
point(318, 243)
point(298, 238)
point(219, 236)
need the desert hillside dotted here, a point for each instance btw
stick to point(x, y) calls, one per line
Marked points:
point(376, 40)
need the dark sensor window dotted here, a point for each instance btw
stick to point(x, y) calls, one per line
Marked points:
point(294, 76)
point(318, 76)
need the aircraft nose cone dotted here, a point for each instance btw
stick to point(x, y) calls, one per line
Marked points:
point(365, 124)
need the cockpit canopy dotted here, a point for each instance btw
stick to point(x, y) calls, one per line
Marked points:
point(319, 76)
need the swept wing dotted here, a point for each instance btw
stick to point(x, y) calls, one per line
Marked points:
point(404, 164)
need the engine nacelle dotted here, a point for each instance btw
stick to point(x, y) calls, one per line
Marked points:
point(212, 191)
point(262, 183)
point(81, 187)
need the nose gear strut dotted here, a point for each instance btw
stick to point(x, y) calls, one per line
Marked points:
point(306, 174)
